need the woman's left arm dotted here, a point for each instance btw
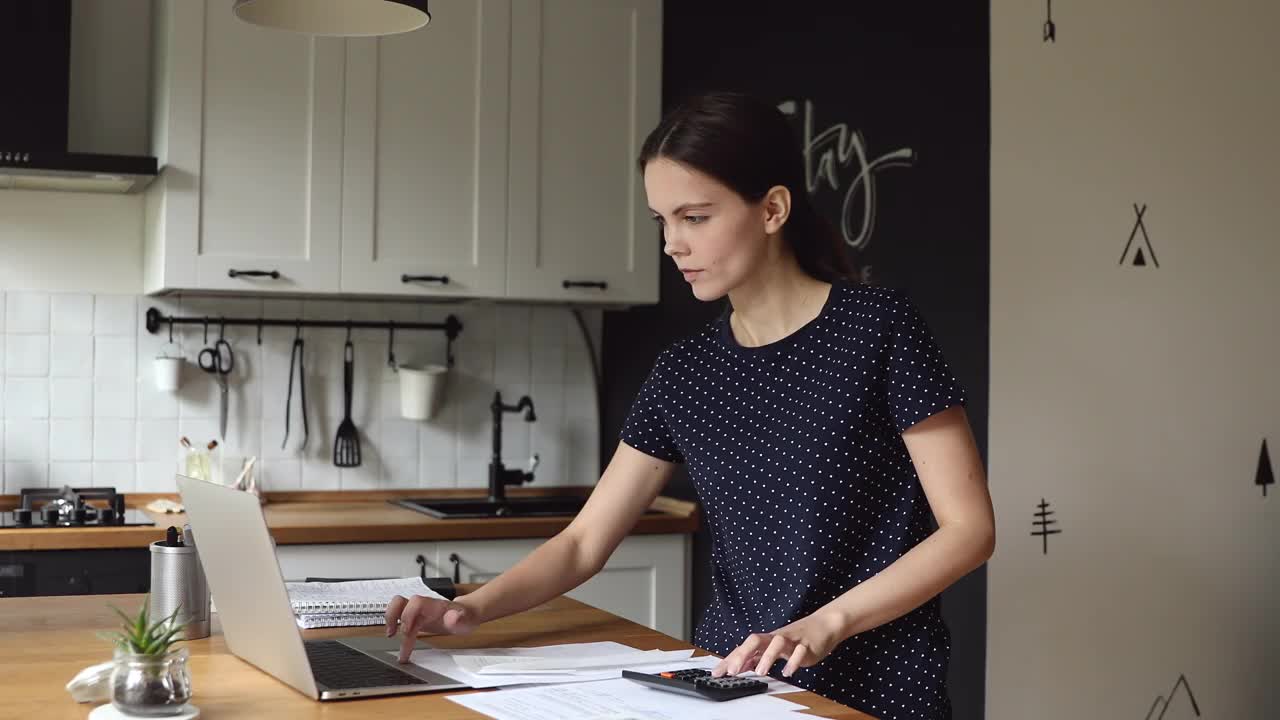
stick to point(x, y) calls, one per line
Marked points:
point(946, 459)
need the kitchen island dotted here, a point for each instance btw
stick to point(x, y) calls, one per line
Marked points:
point(45, 641)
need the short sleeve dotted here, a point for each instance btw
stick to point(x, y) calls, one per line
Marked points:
point(646, 427)
point(918, 381)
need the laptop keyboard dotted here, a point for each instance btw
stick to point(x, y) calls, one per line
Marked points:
point(341, 667)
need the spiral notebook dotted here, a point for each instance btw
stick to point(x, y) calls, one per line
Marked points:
point(350, 603)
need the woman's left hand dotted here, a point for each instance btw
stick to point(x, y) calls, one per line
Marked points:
point(805, 642)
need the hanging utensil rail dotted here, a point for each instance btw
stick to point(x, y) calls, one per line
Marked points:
point(451, 325)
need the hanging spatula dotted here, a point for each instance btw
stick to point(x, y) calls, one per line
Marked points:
point(346, 446)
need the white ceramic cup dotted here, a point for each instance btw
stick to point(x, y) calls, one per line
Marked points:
point(421, 390)
point(168, 373)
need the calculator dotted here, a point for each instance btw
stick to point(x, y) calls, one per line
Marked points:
point(698, 683)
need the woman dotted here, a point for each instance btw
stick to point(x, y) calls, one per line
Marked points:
point(818, 421)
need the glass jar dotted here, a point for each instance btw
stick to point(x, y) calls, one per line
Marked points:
point(151, 685)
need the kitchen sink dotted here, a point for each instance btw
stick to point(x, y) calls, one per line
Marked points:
point(457, 508)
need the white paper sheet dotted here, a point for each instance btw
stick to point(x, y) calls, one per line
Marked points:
point(617, 699)
point(444, 662)
point(506, 665)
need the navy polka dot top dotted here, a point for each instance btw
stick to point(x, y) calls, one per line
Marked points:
point(795, 451)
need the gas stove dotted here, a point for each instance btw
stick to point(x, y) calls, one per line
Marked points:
point(72, 507)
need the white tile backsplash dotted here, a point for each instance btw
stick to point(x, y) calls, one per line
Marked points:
point(71, 440)
point(113, 439)
point(26, 356)
point(71, 398)
point(114, 315)
point(114, 398)
point(88, 412)
point(26, 440)
point(114, 357)
point(71, 356)
point(26, 313)
point(74, 474)
point(119, 475)
point(72, 314)
point(156, 476)
point(155, 404)
point(281, 474)
point(18, 475)
point(319, 476)
point(26, 398)
point(156, 441)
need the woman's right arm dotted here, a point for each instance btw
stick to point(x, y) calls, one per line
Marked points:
point(626, 489)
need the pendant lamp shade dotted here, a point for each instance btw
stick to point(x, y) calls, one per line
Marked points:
point(341, 18)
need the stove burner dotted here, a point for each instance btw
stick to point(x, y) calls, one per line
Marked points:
point(72, 507)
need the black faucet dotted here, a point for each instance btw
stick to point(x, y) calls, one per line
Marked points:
point(500, 477)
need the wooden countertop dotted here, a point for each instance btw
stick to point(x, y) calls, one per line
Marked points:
point(298, 518)
point(47, 640)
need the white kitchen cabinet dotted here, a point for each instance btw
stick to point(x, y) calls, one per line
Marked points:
point(248, 126)
point(645, 580)
point(585, 91)
point(424, 194)
point(494, 148)
point(354, 560)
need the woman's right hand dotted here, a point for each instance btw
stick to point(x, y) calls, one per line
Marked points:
point(426, 614)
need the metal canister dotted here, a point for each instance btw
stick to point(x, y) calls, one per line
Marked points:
point(178, 583)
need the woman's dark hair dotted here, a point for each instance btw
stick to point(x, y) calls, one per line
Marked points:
point(746, 144)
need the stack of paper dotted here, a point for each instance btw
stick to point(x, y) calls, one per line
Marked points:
point(621, 699)
point(583, 680)
point(556, 664)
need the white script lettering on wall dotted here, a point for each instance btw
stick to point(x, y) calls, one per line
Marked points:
point(838, 155)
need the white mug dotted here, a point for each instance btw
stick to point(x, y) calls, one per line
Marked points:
point(168, 373)
point(421, 390)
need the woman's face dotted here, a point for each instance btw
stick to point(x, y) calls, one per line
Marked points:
point(706, 227)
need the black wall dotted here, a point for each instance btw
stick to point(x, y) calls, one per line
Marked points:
point(909, 85)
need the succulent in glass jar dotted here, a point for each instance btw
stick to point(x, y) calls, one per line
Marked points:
point(149, 678)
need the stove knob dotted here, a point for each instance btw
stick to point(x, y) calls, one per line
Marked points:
point(50, 515)
point(22, 516)
point(106, 516)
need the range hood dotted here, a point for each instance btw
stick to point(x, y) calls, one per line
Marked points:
point(35, 64)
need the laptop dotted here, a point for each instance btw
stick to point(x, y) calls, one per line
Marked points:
point(257, 621)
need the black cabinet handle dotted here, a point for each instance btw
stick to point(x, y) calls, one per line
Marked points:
point(442, 279)
point(457, 570)
point(273, 274)
point(586, 283)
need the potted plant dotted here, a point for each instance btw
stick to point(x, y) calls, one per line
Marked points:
point(149, 678)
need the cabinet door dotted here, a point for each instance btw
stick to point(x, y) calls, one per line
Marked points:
point(585, 91)
point(354, 560)
point(259, 174)
point(645, 580)
point(424, 192)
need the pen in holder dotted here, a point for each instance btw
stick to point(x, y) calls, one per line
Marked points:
point(178, 583)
